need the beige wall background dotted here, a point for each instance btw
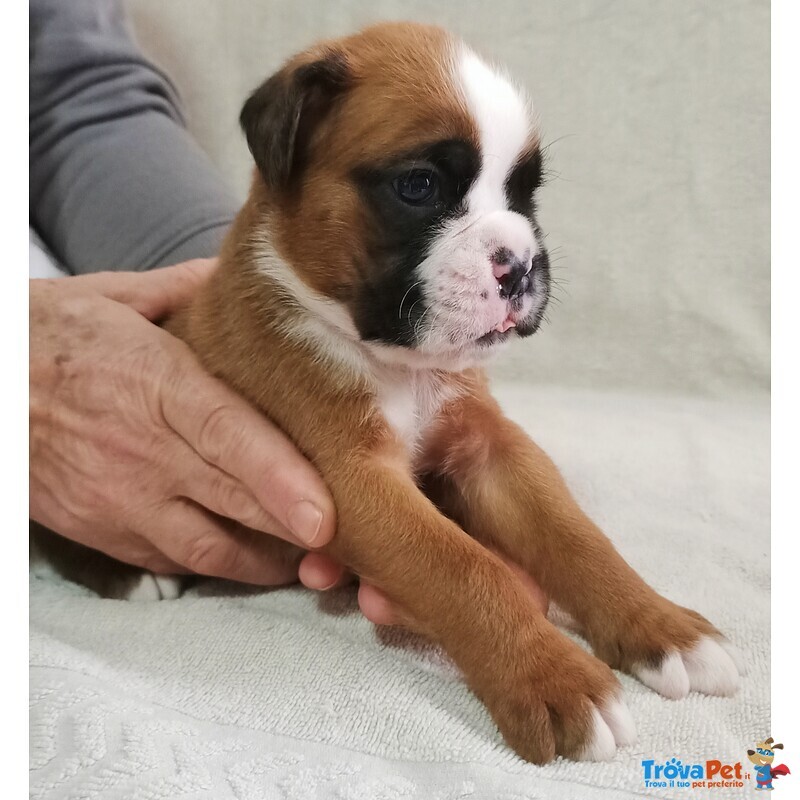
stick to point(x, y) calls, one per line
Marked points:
point(657, 212)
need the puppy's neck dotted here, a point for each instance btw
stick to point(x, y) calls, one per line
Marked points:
point(408, 388)
point(325, 327)
point(301, 314)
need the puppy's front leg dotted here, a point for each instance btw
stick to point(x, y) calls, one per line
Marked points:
point(505, 491)
point(546, 694)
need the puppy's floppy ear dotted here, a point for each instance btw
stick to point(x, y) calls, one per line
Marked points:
point(280, 115)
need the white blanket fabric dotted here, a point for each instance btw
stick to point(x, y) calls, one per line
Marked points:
point(292, 695)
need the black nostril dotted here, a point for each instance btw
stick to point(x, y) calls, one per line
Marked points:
point(517, 280)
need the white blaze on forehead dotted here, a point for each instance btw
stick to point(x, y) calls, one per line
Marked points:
point(504, 123)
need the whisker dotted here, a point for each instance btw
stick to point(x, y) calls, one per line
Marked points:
point(410, 310)
point(557, 140)
point(419, 323)
point(400, 310)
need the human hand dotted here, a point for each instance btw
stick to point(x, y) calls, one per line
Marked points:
point(137, 451)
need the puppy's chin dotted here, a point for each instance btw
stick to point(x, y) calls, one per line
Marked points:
point(473, 351)
point(454, 359)
point(477, 343)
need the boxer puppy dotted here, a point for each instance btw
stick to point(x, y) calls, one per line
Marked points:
point(388, 248)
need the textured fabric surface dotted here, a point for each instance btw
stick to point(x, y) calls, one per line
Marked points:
point(292, 695)
point(657, 213)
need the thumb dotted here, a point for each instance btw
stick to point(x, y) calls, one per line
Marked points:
point(156, 293)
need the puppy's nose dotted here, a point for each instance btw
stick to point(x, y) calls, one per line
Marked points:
point(511, 272)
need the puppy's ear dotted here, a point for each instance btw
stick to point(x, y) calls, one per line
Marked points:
point(279, 117)
point(778, 746)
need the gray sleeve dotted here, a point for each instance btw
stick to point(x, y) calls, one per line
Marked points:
point(116, 181)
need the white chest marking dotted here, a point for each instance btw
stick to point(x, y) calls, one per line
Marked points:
point(410, 400)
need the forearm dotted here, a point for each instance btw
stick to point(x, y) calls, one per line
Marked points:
point(116, 181)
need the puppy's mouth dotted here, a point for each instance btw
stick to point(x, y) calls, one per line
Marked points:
point(492, 338)
point(499, 333)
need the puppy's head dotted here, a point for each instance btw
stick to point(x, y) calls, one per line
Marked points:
point(400, 170)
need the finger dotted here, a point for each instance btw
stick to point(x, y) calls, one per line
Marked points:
point(226, 431)
point(320, 572)
point(215, 490)
point(53, 523)
point(141, 552)
point(377, 607)
point(158, 563)
point(153, 560)
point(156, 293)
point(205, 545)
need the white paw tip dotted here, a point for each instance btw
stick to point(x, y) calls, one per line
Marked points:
point(601, 745)
point(618, 717)
point(169, 586)
point(150, 588)
point(669, 678)
point(145, 590)
point(711, 669)
point(735, 653)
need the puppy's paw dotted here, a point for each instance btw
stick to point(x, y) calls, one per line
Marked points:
point(566, 703)
point(150, 587)
point(705, 667)
point(612, 727)
point(674, 651)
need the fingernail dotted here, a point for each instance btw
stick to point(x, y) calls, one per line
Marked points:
point(305, 520)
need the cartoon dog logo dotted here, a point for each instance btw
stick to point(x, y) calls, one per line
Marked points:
point(762, 758)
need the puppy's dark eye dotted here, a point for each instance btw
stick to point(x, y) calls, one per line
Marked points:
point(416, 187)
